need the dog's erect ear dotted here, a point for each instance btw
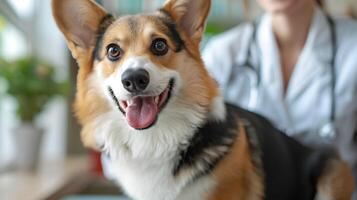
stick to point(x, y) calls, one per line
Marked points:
point(79, 21)
point(189, 15)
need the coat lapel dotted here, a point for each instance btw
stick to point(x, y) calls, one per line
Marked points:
point(314, 59)
point(271, 76)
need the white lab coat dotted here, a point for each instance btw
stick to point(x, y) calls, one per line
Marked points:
point(305, 107)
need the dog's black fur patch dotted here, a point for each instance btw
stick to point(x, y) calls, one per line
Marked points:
point(210, 137)
point(172, 30)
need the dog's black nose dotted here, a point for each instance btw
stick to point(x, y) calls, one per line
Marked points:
point(135, 80)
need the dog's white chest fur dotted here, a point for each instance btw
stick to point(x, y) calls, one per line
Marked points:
point(143, 163)
point(153, 179)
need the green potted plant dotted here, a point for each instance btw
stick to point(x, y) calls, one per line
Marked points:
point(32, 84)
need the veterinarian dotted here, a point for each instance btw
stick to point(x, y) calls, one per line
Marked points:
point(297, 66)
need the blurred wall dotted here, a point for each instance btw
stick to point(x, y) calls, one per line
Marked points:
point(40, 38)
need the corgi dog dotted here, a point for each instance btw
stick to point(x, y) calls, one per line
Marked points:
point(145, 99)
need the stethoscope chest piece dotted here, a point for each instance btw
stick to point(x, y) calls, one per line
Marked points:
point(328, 132)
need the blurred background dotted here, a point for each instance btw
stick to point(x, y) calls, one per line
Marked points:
point(37, 78)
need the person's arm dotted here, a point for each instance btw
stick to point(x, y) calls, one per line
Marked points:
point(214, 62)
point(224, 56)
point(221, 52)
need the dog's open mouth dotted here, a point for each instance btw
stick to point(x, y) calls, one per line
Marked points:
point(141, 112)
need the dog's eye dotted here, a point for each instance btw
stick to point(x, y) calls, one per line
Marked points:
point(159, 47)
point(114, 52)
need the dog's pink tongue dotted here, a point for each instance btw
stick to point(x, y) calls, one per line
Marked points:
point(142, 112)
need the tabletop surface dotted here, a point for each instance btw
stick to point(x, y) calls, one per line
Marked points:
point(46, 180)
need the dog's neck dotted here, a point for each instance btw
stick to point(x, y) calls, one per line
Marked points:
point(208, 145)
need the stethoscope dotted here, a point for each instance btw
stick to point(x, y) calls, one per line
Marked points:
point(328, 130)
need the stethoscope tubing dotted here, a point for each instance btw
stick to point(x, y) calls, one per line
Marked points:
point(332, 66)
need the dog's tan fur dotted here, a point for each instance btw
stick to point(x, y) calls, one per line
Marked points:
point(89, 104)
point(336, 183)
